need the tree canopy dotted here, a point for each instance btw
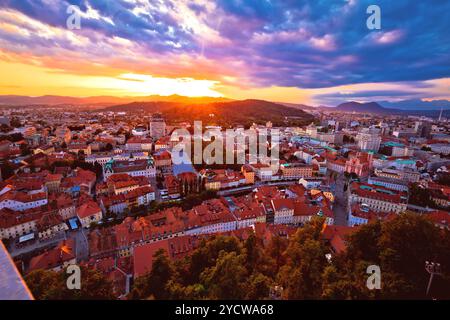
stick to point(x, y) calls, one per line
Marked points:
point(51, 285)
point(223, 267)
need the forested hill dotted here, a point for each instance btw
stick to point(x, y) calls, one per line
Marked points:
point(232, 112)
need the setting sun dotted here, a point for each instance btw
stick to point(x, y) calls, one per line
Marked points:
point(138, 84)
point(40, 81)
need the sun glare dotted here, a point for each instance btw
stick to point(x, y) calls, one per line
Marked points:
point(15, 77)
point(139, 84)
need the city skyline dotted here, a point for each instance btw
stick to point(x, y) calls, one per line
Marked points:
point(310, 53)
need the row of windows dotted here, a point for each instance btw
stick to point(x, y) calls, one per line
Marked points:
point(381, 205)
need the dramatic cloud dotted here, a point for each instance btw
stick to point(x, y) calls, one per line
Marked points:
point(253, 44)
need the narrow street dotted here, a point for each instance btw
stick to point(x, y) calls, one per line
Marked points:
point(36, 245)
point(340, 215)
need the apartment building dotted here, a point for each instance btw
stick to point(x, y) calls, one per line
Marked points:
point(377, 198)
point(296, 170)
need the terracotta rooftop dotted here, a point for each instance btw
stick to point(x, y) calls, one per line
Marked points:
point(65, 251)
point(88, 209)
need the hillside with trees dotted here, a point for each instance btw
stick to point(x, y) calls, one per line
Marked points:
point(244, 112)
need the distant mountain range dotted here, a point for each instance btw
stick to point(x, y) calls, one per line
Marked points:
point(412, 107)
point(14, 100)
point(369, 107)
point(376, 108)
point(416, 104)
point(386, 107)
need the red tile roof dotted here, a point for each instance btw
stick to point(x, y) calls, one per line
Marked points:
point(175, 248)
point(283, 204)
point(65, 251)
point(88, 209)
point(396, 197)
point(10, 218)
point(143, 256)
point(337, 236)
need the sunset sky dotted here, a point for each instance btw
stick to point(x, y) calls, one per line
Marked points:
point(316, 52)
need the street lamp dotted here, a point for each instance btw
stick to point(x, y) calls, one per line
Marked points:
point(432, 268)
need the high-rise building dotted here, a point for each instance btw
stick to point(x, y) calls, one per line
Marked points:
point(157, 126)
point(423, 128)
point(384, 128)
point(369, 140)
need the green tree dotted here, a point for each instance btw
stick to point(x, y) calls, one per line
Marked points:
point(420, 196)
point(276, 251)
point(405, 244)
point(253, 252)
point(301, 276)
point(43, 284)
point(51, 285)
point(108, 147)
point(363, 245)
point(400, 247)
point(226, 279)
point(178, 291)
point(154, 283)
point(207, 254)
point(258, 287)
